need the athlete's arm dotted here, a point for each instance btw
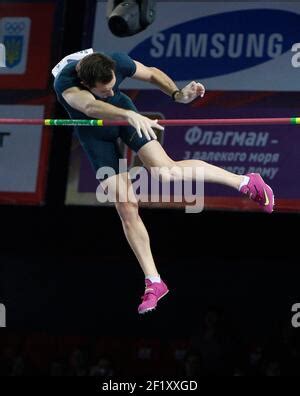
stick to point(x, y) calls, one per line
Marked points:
point(83, 101)
point(167, 85)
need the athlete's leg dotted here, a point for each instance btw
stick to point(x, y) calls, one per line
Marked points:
point(153, 155)
point(105, 154)
point(120, 186)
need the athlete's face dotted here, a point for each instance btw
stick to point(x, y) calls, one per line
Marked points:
point(104, 90)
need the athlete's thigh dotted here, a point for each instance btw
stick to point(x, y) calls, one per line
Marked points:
point(153, 154)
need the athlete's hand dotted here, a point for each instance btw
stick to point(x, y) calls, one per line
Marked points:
point(190, 92)
point(143, 125)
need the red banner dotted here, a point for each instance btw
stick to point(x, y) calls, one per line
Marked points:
point(26, 32)
point(24, 152)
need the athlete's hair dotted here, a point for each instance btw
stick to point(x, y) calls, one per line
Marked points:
point(96, 68)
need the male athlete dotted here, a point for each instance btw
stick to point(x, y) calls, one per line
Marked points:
point(89, 87)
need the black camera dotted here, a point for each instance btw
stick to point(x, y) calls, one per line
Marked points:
point(126, 18)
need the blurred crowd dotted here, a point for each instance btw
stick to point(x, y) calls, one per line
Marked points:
point(216, 349)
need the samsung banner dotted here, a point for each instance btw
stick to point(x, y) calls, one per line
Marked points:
point(226, 45)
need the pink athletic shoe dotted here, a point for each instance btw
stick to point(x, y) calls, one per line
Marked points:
point(153, 293)
point(259, 192)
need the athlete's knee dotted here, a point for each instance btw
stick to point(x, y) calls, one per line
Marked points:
point(167, 173)
point(108, 187)
point(118, 189)
point(176, 172)
point(128, 212)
